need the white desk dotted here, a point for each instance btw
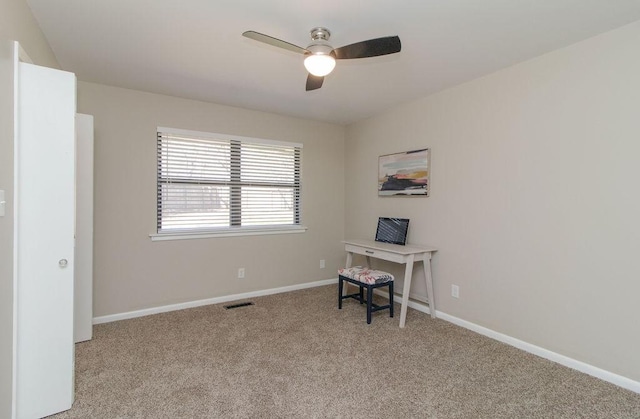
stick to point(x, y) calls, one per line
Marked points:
point(398, 254)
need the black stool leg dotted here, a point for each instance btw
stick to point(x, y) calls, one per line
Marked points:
point(369, 302)
point(390, 298)
point(340, 285)
point(361, 299)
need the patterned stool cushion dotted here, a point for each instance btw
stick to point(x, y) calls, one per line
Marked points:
point(366, 275)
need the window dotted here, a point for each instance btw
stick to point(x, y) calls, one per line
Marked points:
point(213, 182)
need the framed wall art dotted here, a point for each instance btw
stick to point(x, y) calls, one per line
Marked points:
point(404, 174)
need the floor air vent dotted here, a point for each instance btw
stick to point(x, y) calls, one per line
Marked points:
point(238, 305)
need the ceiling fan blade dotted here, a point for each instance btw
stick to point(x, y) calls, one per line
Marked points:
point(314, 82)
point(260, 37)
point(370, 48)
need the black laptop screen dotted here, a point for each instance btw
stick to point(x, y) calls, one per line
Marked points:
point(392, 230)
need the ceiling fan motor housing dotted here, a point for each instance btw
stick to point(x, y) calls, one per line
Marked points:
point(319, 57)
point(320, 33)
point(319, 46)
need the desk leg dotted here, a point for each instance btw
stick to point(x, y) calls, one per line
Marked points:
point(369, 263)
point(426, 264)
point(408, 271)
point(348, 265)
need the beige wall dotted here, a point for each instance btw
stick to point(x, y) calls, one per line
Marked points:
point(131, 272)
point(535, 204)
point(16, 24)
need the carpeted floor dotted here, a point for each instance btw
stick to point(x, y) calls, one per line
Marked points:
point(296, 355)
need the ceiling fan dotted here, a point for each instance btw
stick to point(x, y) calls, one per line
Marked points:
point(320, 57)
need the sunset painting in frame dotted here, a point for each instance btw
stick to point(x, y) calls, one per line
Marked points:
point(404, 174)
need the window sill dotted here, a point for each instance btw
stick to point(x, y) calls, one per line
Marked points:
point(227, 233)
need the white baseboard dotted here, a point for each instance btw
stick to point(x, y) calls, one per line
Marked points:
point(608, 376)
point(605, 375)
point(208, 301)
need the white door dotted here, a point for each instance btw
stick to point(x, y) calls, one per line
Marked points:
point(45, 228)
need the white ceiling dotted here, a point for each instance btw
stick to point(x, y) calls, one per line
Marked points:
point(194, 48)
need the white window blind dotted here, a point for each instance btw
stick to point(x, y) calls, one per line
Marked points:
point(210, 182)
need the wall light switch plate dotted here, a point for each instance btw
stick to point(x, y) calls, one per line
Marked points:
point(3, 203)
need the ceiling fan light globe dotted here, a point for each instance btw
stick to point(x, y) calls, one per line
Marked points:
point(319, 64)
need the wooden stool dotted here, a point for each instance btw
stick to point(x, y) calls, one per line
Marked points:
point(367, 278)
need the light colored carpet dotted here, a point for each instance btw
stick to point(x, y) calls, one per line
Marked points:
point(296, 355)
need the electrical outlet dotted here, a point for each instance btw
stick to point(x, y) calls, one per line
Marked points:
point(321, 263)
point(455, 291)
point(241, 273)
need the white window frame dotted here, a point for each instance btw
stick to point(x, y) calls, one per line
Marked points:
point(229, 231)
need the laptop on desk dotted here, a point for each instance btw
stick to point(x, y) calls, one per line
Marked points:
point(392, 230)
